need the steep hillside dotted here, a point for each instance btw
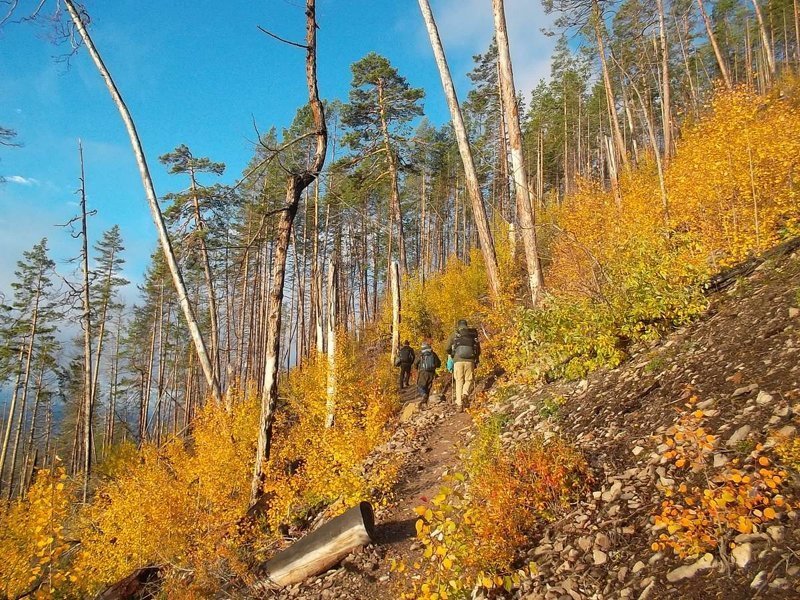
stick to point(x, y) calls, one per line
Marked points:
point(734, 373)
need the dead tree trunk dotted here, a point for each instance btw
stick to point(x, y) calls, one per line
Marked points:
point(333, 308)
point(152, 199)
point(520, 175)
point(723, 69)
point(473, 188)
point(394, 278)
point(297, 182)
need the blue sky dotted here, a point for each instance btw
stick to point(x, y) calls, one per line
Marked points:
point(200, 73)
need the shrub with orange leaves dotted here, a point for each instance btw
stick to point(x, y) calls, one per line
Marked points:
point(706, 505)
point(474, 528)
point(34, 540)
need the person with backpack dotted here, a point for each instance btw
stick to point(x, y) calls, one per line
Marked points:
point(405, 359)
point(464, 349)
point(426, 365)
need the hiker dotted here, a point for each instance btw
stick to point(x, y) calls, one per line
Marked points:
point(426, 366)
point(405, 359)
point(463, 350)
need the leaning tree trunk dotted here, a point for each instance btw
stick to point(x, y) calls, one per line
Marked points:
point(296, 184)
point(765, 41)
point(619, 142)
point(158, 218)
point(723, 69)
point(520, 175)
point(471, 175)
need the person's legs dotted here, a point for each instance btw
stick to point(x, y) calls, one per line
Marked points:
point(406, 375)
point(469, 372)
point(458, 376)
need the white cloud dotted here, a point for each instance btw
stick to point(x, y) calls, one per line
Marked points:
point(468, 25)
point(20, 180)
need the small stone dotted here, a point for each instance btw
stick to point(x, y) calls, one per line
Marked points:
point(787, 432)
point(777, 533)
point(759, 580)
point(602, 541)
point(688, 571)
point(745, 390)
point(742, 555)
point(613, 493)
point(638, 450)
point(779, 583)
point(409, 410)
point(794, 312)
point(763, 398)
point(738, 436)
point(600, 557)
point(585, 543)
point(647, 591)
point(637, 567)
point(720, 460)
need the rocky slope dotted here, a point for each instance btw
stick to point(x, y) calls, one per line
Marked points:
point(740, 363)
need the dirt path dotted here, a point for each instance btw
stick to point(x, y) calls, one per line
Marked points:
point(431, 443)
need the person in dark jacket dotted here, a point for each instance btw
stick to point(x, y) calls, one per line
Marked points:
point(465, 349)
point(405, 360)
point(426, 365)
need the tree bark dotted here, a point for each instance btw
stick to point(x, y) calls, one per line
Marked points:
point(394, 278)
point(152, 199)
point(520, 176)
point(765, 41)
point(333, 296)
point(295, 186)
point(666, 102)
point(471, 175)
point(723, 69)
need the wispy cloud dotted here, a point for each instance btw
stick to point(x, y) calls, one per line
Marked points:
point(468, 25)
point(20, 180)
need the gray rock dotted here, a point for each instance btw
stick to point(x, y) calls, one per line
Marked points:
point(742, 555)
point(759, 580)
point(763, 398)
point(637, 567)
point(738, 436)
point(745, 390)
point(637, 450)
point(688, 571)
point(600, 557)
point(777, 533)
point(648, 591)
point(602, 541)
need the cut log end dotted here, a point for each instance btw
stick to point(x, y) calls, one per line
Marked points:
point(323, 548)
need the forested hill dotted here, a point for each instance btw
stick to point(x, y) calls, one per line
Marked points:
point(611, 237)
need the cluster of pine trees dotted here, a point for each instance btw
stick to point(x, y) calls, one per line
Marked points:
point(626, 75)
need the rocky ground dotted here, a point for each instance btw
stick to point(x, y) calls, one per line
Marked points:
point(740, 361)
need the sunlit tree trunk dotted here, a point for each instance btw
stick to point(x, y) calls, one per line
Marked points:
point(723, 69)
point(765, 41)
point(666, 103)
point(520, 177)
point(333, 296)
point(470, 173)
point(394, 279)
point(297, 182)
point(158, 219)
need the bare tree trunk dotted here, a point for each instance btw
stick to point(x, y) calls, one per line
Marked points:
point(333, 295)
point(470, 173)
point(158, 219)
point(295, 186)
point(723, 69)
point(666, 103)
point(520, 176)
point(29, 449)
point(619, 142)
point(213, 316)
point(765, 41)
point(396, 314)
point(394, 187)
point(13, 407)
point(88, 380)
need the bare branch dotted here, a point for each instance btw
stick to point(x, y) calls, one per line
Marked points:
point(280, 39)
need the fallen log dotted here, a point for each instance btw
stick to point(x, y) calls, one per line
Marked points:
point(142, 584)
point(323, 548)
point(731, 275)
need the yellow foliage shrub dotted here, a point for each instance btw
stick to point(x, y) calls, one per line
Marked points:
point(181, 506)
point(34, 540)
